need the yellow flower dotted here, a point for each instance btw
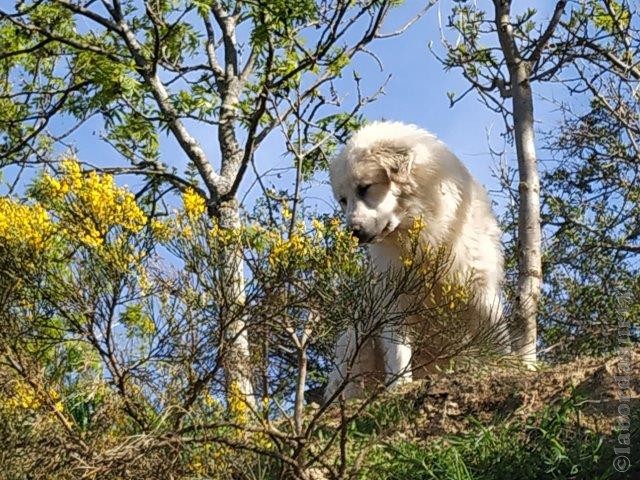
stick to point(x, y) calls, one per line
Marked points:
point(229, 236)
point(187, 231)
point(25, 397)
point(23, 225)
point(210, 401)
point(72, 172)
point(295, 248)
point(55, 396)
point(194, 204)
point(237, 404)
point(417, 226)
point(89, 206)
point(52, 187)
point(319, 228)
point(407, 261)
point(163, 231)
point(214, 231)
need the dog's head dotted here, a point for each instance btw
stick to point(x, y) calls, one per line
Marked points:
point(371, 178)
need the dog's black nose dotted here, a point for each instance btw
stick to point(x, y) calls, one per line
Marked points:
point(359, 234)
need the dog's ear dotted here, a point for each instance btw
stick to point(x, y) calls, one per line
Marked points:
point(397, 161)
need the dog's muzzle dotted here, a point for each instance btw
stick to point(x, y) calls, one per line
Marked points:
point(361, 235)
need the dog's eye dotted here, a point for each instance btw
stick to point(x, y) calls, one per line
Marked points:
point(362, 190)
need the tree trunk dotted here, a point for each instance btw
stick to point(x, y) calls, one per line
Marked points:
point(529, 234)
point(233, 318)
point(524, 331)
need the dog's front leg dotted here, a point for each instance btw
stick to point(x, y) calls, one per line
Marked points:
point(397, 355)
point(354, 362)
point(344, 350)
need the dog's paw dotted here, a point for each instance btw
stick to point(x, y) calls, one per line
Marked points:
point(395, 381)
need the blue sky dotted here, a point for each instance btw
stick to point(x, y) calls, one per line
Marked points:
point(416, 93)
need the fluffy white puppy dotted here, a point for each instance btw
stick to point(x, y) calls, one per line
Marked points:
point(389, 174)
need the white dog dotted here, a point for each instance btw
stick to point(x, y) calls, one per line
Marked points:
point(388, 175)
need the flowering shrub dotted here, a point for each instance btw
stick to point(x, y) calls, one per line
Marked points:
point(24, 227)
point(125, 345)
point(89, 206)
point(120, 327)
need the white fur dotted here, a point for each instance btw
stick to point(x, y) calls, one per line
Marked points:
point(412, 174)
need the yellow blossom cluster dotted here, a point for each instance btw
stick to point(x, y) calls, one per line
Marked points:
point(144, 282)
point(315, 246)
point(454, 293)
point(162, 231)
point(25, 397)
point(24, 225)
point(407, 259)
point(294, 246)
point(89, 206)
point(240, 412)
point(286, 213)
point(182, 224)
point(237, 404)
point(210, 401)
point(417, 227)
point(320, 248)
point(211, 459)
point(327, 246)
point(451, 292)
point(194, 204)
point(228, 236)
point(413, 248)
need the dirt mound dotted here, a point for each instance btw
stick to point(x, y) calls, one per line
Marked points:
point(448, 401)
